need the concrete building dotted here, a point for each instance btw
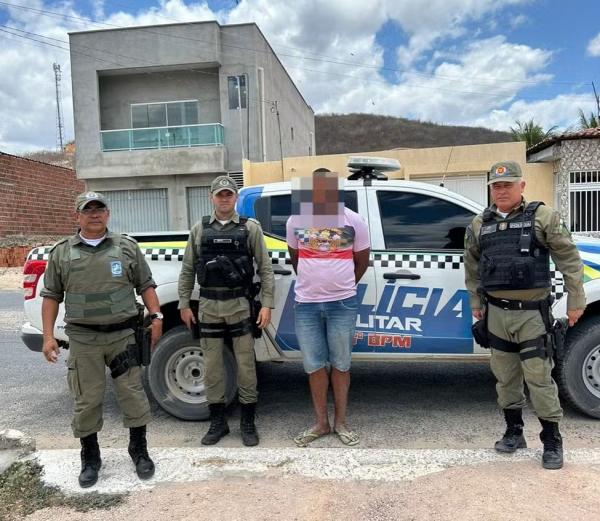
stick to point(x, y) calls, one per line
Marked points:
point(160, 111)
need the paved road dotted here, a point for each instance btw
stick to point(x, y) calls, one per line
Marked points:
point(400, 406)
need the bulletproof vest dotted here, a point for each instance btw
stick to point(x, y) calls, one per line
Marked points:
point(224, 259)
point(97, 288)
point(511, 256)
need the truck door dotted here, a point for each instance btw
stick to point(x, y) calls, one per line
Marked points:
point(422, 306)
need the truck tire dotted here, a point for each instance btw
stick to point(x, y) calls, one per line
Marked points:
point(176, 375)
point(578, 374)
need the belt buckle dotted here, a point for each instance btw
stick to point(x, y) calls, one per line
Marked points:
point(505, 304)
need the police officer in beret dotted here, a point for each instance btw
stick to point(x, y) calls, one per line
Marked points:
point(97, 273)
point(220, 255)
point(507, 272)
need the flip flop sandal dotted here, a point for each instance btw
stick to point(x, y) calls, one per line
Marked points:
point(347, 437)
point(307, 436)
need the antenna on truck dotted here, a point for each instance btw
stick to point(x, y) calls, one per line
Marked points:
point(367, 167)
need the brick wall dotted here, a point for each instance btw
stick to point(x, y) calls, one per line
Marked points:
point(36, 198)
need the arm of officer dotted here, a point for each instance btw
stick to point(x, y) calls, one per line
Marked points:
point(187, 276)
point(264, 267)
point(567, 259)
point(471, 261)
point(53, 294)
point(145, 286)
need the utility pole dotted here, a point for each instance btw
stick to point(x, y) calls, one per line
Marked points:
point(276, 107)
point(597, 102)
point(59, 119)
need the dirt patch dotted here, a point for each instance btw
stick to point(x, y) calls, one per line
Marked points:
point(515, 491)
point(22, 492)
point(11, 278)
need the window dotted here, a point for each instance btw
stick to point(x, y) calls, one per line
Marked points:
point(234, 96)
point(168, 114)
point(584, 201)
point(273, 212)
point(421, 222)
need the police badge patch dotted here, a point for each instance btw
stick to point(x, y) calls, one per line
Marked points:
point(116, 269)
point(502, 226)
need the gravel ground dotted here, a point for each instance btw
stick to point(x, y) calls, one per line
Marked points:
point(11, 278)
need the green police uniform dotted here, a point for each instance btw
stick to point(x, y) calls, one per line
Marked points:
point(97, 284)
point(521, 325)
point(228, 311)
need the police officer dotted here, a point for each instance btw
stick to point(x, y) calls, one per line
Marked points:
point(96, 272)
point(507, 253)
point(219, 255)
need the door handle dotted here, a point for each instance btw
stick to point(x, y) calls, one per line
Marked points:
point(281, 271)
point(404, 275)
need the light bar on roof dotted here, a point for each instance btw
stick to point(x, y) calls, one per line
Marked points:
point(383, 164)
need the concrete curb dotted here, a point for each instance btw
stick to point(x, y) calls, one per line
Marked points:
point(176, 465)
point(13, 446)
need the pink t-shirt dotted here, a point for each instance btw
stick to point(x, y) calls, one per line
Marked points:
point(325, 261)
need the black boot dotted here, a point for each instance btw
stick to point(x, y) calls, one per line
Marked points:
point(138, 450)
point(513, 438)
point(553, 448)
point(90, 461)
point(247, 427)
point(218, 424)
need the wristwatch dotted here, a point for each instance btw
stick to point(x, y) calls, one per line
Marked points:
point(157, 316)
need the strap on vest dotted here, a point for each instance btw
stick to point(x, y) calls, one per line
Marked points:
point(222, 330)
point(130, 323)
point(222, 294)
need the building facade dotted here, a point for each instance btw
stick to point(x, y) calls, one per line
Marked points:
point(160, 111)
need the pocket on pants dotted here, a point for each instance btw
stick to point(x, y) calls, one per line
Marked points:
point(351, 303)
point(73, 378)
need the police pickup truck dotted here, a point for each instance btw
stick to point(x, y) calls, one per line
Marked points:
point(412, 301)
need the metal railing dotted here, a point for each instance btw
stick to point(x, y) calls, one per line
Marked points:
point(209, 134)
point(584, 199)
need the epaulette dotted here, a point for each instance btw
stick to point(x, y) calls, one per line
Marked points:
point(129, 238)
point(58, 243)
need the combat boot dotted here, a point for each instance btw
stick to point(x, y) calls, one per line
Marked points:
point(553, 447)
point(513, 438)
point(218, 424)
point(90, 461)
point(138, 450)
point(247, 426)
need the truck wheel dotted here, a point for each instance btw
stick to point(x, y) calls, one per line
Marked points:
point(578, 374)
point(176, 375)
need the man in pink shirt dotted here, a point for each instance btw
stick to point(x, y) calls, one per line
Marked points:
point(329, 249)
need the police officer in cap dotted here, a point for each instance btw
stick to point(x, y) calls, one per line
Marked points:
point(96, 272)
point(220, 255)
point(507, 272)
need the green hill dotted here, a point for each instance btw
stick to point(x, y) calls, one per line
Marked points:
point(343, 133)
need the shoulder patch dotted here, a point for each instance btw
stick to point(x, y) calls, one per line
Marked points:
point(129, 238)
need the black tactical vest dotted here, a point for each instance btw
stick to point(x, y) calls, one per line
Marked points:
point(511, 256)
point(224, 259)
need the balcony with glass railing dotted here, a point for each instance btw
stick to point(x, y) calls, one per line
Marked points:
point(211, 134)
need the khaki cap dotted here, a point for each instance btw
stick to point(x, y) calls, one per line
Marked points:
point(87, 197)
point(505, 171)
point(223, 182)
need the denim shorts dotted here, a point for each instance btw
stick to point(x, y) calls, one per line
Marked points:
point(325, 332)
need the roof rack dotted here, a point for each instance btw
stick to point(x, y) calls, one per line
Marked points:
point(367, 167)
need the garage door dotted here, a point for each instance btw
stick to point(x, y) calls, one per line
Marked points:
point(198, 203)
point(138, 210)
point(472, 186)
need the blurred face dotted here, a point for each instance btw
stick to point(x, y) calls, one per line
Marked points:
point(92, 220)
point(224, 202)
point(325, 195)
point(507, 195)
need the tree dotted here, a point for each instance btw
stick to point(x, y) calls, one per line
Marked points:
point(584, 122)
point(530, 132)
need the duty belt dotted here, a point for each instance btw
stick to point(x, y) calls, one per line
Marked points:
point(518, 304)
point(222, 294)
point(130, 323)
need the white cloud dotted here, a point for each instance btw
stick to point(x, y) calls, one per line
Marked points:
point(593, 47)
point(451, 69)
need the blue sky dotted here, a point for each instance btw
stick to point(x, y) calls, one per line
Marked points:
point(469, 62)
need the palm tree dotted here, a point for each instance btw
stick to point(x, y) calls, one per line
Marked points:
point(530, 132)
point(584, 122)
